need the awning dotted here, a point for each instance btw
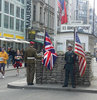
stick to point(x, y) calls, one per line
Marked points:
point(25, 42)
point(4, 39)
point(17, 41)
point(12, 40)
point(38, 41)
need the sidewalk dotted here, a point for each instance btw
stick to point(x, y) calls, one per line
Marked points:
point(21, 84)
point(11, 67)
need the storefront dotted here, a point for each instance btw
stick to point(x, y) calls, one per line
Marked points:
point(15, 42)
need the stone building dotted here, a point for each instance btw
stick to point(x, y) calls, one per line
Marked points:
point(42, 16)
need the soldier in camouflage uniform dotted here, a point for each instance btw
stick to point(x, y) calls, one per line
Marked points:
point(30, 56)
point(70, 58)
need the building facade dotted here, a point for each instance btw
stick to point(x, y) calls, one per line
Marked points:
point(43, 15)
point(82, 11)
point(94, 27)
point(12, 22)
point(42, 19)
point(78, 11)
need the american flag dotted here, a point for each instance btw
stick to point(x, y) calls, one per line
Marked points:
point(63, 13)
point(49, 53)
point(81, 55)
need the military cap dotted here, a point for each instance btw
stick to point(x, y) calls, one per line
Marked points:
point(32, 42)
point(70, 45)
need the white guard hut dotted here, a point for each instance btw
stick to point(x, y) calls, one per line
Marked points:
point(67, 36)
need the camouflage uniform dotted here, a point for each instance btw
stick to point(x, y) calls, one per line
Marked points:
point(30, 56)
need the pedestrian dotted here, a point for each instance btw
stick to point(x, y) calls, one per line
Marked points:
point(13, 56)
point(18, 62)
point(70, 58)
point(22, 54)
point(0, 49)
point(10, 56)
point(3, 61)
point(30, 56)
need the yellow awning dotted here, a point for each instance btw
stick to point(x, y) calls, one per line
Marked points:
point(19, 37)
point(8, 35)
point(0, 34)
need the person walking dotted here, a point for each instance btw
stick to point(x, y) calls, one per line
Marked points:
point(0, 49)
point(13, 56)
point(70, 58)
point(18, 63)
point(3, 61)
point(29, 58)
point(22, 54)
point(10, 56)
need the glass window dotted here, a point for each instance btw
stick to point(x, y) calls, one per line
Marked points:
point(6, 20)
point(17, 12)
point(12, 9)
point(22, 26)
point(17, 24)
point(0, 20)
point(12, 23)
point(6, 10)
point(34, 13)
point(40, 14)
point(0, 4)
point(22, 1)
point(22, 13)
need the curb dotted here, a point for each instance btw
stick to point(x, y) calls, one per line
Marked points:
point(52, 88)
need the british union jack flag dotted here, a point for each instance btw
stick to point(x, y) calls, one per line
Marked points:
point(49, 53)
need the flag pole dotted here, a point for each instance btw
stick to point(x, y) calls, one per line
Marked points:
point(74, 37)
point(55, 26)
point(43, 57)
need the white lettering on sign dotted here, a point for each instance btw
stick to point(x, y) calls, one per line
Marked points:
point(80, 28)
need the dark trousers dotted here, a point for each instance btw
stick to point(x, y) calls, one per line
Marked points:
point(71, 73)
point(30, 73)
point(2, 66)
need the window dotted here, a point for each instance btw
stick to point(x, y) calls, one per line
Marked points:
point(0, 20)
point(22, 1)
point(12, 23)
point(44, 18)
point(34, 13)
point(40, 14)
point(11, 9)
point(0, 4)
point(6, 10)
point(22, 26)
point(6, 21)
point(22, 13)
point(17, 12)
point(17, 24)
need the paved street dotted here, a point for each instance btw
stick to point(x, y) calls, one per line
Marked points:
point(9, 94)
point(30, 94)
